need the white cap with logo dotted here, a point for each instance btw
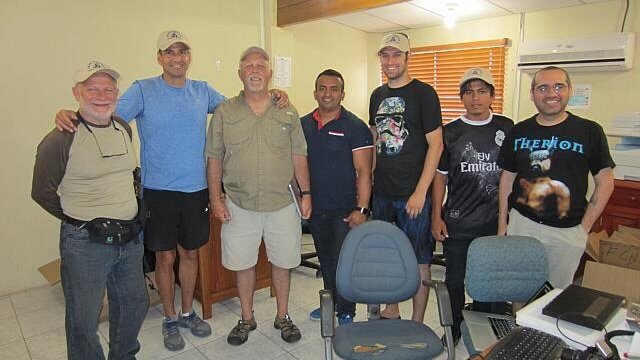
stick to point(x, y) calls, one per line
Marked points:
point(94, 67)
point(477, 73)
point(254, 49)
point(396, 40)
point(170, 37)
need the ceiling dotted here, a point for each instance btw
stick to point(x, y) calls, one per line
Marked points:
point(422, 13)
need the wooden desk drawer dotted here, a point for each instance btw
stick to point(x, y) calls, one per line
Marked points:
point(625, 197)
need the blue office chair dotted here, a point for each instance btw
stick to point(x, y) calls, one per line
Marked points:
point(377, 265)
point(503, 269)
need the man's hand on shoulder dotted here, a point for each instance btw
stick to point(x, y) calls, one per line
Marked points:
point(64, 120)
point(280, 97)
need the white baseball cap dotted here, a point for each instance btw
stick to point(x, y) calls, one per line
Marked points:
point(170, 37)
point(254, 49)
point(396, 40)
point(477, 73)
point(94, 67)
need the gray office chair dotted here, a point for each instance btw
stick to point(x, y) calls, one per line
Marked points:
point(378, 265)
point(503, 269)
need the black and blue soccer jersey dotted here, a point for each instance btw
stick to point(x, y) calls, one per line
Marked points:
point(469, 160)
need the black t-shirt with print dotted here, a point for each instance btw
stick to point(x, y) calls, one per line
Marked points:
point(552, 165)
point(402, 117)
point(469, 160)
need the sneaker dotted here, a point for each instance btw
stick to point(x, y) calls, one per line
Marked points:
point(173, 341)
point(456, 340)
point(315, 314)
point(198, 327)
point(345, 319)
point(240, 333)
point(288, 331)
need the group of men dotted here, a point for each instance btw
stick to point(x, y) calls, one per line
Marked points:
point(256, 145)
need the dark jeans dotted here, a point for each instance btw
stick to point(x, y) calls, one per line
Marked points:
point(86, 269)
point(455, 253)
point(329, 230)
point(418, 229)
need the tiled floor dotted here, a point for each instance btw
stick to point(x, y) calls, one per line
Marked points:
point(32, 326)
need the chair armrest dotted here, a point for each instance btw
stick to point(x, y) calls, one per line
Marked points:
point(444, 301)
point(444, 311)
point(327, 314)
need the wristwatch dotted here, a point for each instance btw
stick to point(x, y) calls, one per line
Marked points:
point(303, 193)
point(363, 210)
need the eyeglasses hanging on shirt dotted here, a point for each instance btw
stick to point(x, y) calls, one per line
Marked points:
point(107, 144)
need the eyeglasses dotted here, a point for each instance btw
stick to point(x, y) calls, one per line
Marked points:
point(543, 89)
point(115, 150)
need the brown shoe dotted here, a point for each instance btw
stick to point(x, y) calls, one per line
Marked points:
point(288, 331)
point(240, 333)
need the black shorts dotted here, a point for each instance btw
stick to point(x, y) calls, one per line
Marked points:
point(176, 218)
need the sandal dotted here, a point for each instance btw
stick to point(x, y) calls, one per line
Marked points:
point(288, 331)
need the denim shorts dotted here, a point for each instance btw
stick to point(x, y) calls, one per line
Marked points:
point(418, 230)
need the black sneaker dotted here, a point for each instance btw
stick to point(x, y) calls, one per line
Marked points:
point(173, 341)
point(240, 333)
point(198, 327)
point(456, 340)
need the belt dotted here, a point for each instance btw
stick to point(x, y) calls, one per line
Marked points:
point(74, 222)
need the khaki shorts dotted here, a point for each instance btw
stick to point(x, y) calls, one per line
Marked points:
point(242, 235)
point(564, 246)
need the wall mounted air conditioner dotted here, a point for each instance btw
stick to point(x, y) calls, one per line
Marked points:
point(598, 52)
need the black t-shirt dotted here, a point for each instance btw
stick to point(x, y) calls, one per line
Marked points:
point(552, 164)
point(470, 160)
point(402, 117)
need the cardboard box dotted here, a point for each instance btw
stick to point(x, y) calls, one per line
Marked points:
point(593, 244)
point(621, 249)
point(613, 279)
point(51, 271)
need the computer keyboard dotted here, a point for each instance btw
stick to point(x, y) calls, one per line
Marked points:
point(501, 327)
point(524, 343)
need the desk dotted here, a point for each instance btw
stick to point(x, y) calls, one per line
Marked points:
point(531, 316)
point(215, 283)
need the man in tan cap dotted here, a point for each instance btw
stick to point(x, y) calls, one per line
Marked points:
point(85, 179)
point(405, 118)
point(171, 115)
point(256, 149)
point(472, 143)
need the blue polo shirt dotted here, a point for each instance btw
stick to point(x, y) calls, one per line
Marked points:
point(329, 152)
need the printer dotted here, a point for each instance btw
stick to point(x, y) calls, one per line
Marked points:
point(626, 153)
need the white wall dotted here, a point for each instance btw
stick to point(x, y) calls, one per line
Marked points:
point(44, 42)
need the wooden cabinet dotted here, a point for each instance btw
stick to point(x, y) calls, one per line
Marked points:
point(215, 283)
point(623, 207)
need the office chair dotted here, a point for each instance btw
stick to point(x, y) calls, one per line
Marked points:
point(304, 257)
point(503, 269)
point(377, 265)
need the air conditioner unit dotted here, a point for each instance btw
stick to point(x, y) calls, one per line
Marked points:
point(598, 52)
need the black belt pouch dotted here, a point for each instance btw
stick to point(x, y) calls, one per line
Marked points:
point(113, 231)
